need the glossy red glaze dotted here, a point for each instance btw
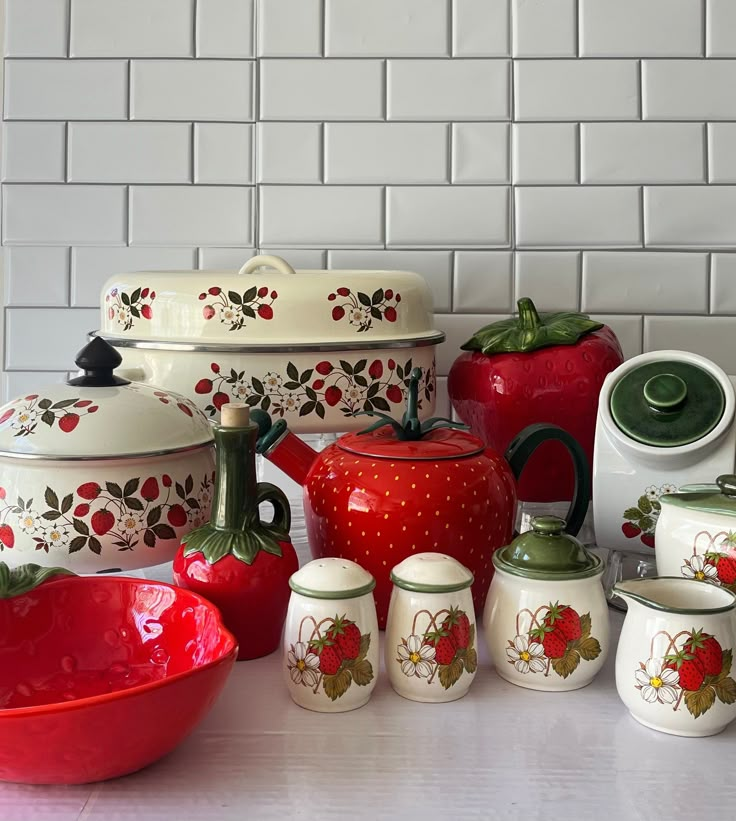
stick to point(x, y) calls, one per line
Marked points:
point(100, 676)
point(252, 598)
point(377, 511)
point(499, 395)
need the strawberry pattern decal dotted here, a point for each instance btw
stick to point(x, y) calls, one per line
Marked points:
point(641, 520)
point(693, 669)
point(713, 559)
point(147, 511)
point(445, 649)
point(235, 309)
point(350, 387)
point(25, 413)
point(556, 640)
point(332, 658)
point(361, 309)
point(124, 308)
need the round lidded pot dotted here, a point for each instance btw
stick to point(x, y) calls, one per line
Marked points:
point(430, 648)
point(308, 346)
point(696, 533)
point(331, 636)
point(101, 474)
point(546, 619)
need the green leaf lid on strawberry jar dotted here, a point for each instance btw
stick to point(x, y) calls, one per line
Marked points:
point(99, 473)
point(546, 615)
point(330, 650)
point(430, 649)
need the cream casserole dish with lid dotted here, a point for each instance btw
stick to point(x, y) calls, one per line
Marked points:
point(312, 347)
point(99, 473)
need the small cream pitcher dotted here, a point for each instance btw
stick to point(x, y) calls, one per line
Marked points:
point(674, 658)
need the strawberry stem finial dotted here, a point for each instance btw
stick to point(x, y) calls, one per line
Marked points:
point(410, 429)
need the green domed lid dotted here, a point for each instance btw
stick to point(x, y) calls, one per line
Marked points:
point(546, 552)
point(718, 498)
point(667, 403)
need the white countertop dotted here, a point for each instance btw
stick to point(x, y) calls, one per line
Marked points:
point(502, 752)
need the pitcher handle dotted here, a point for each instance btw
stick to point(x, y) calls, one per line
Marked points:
point(266, 492)
point(267, 261)
point(522, 447)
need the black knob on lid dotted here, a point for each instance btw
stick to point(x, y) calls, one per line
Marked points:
point(98, 360)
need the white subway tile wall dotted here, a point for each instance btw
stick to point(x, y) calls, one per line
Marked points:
point(582, 152)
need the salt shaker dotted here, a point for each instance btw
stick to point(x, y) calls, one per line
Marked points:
point(331, 636)
point(430, 648)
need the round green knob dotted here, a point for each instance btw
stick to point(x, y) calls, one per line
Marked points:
point(549, 525)
point(727, 484)
point(665, 392)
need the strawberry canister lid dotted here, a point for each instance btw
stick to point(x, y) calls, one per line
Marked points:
point(332, 578)
point(546, 552)
point(431, 573)
point(100, 415)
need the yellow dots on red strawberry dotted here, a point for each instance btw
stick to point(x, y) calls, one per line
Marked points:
point(385, 515)
point(413, 467)
point(367, 552)
point(384, 562)
point(413, 485)
point(403, 527)
point(378, 533)
point(350, 524)
point(335, 508)
point(426, 533)
point(426, 476)
point(363, 533)
point(360, 473)
point(436, 513)
point(419, 512)
point(396, 478)
point(388, 493)
point(403, 504)
point(447, 526)
point(392, 465)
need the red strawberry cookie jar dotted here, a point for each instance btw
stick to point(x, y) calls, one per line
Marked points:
point(546, 618)
point(331, 636)
point(393, 490)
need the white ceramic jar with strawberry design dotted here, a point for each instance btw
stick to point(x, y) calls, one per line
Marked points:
point(430, 648)
point(696, 533)
point(101, 474)
point(546, 618)
point(330, 650)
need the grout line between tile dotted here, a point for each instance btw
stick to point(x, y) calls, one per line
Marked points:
point(323, 27)
point(708, 281)
point(68, 27)
point(705, 28)
point(706, 151)
point(195, 37)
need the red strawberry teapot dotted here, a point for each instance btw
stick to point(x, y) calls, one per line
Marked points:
point(394, 489)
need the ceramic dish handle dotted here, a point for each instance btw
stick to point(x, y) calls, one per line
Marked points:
point(266, 261)
point(23, 579)
point(522, 447)
point(266, 492)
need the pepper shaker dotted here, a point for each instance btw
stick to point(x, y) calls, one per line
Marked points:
point(430, 649)
point(331, 636)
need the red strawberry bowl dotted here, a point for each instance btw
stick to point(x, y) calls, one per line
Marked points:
point(101, 676)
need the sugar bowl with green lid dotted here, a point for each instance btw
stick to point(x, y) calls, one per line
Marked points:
point(546, 618)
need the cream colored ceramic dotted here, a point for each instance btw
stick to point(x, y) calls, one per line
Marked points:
point(630, 477)
point(696, 533)
point(430, 648)
point(99, 474)
point(521, 613)
point(674, 657)
point(546, 618)
point(330, 649)
point(308, 346)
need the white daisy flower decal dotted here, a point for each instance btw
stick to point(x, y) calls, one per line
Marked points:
point(24, 418)
point(303, 664)
point(657, 682)
point(55, 536)
point(652, 493)
point(291, 402)
point(129, 522)
point(29, 522)
point(358, 316)
point(240, 390)
point(667, 488)
point(416, 658)
point(527, 656)
point(698, 568)
point(229, 314)
point(272, 381)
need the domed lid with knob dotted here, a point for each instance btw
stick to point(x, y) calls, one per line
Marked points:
point(547, 553)
point(99, 415)
point(431, 573)
point(667, 403)
point(719, 498)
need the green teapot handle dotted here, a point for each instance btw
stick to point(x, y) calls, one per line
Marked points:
point(522, 447)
